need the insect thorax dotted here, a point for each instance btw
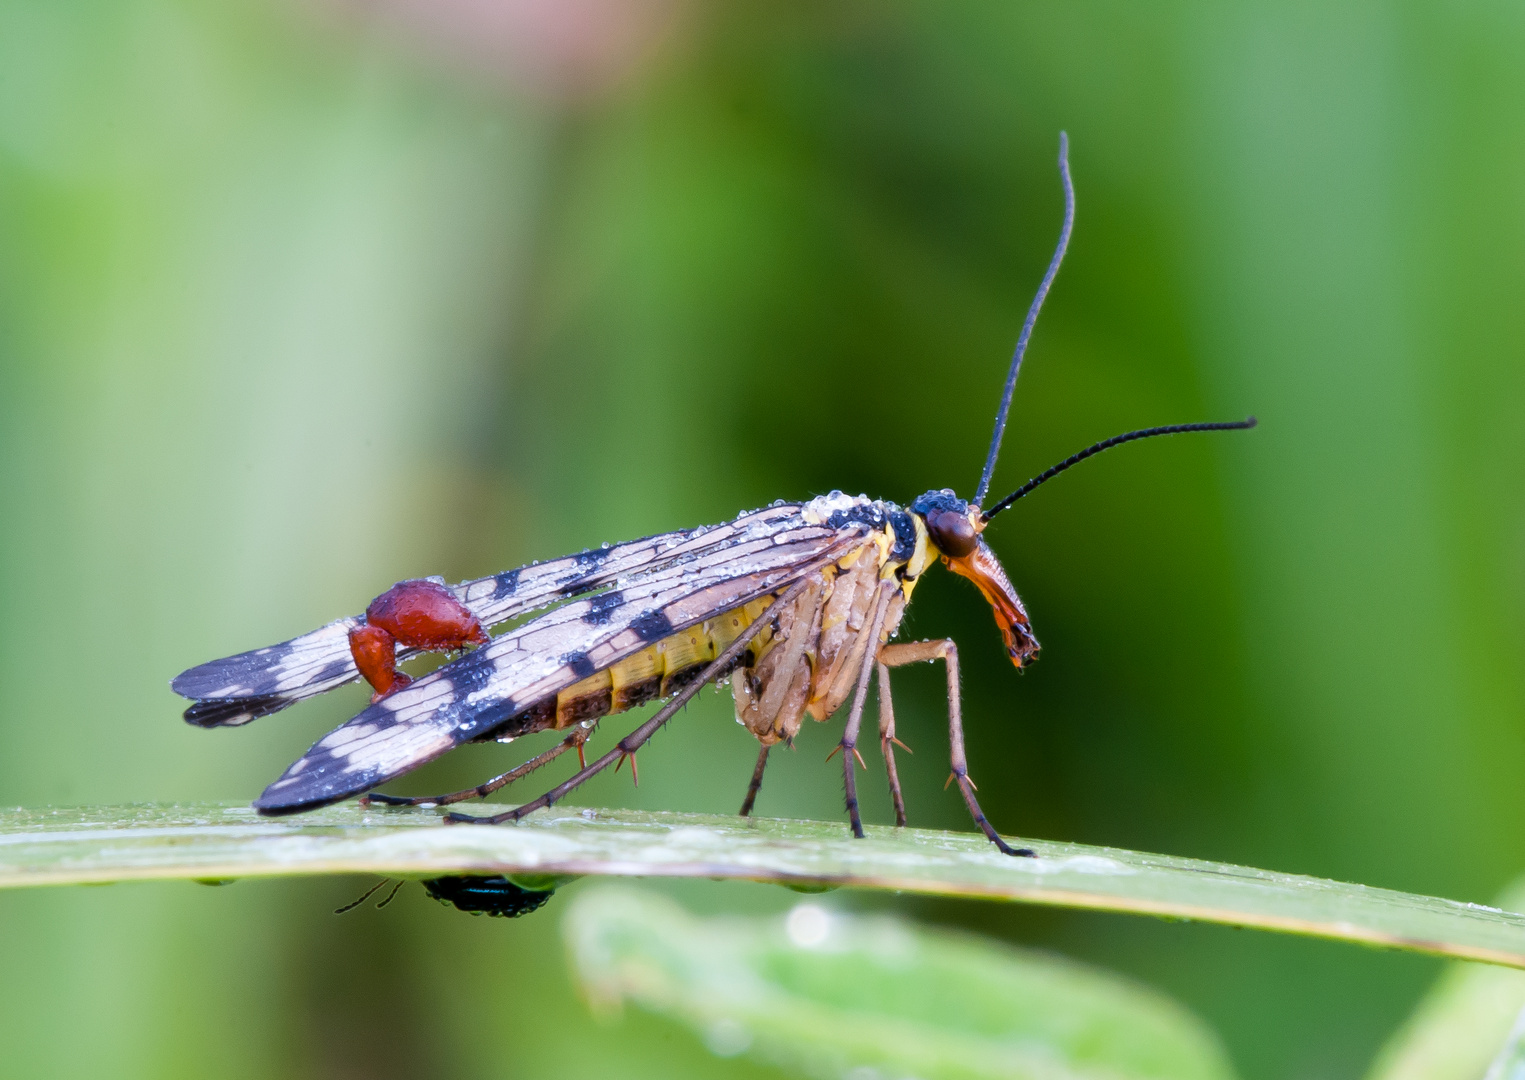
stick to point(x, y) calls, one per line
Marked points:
point(804, 662)
point(807, 662)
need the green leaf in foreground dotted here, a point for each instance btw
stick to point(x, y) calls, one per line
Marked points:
point(1470, 1018)
point(832, 994)
point(103, 844)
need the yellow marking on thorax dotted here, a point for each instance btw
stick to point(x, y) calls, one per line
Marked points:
point(923, 556)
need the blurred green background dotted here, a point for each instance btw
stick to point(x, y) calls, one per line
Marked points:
point(297, 300)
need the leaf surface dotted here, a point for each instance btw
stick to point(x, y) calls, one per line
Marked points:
point(103, 844)
point(825, 993)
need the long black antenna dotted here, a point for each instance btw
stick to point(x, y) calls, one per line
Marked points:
point(1032, 317)
point(1107, 444)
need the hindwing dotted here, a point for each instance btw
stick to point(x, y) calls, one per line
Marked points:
point(470, 697)
point(237, 689)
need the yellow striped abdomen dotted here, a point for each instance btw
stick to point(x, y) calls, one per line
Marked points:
point(660, 669)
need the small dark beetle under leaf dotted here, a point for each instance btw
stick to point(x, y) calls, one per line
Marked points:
point(495, 895)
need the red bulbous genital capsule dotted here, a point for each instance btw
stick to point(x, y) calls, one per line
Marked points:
point(375, 653)
point(425, 615)
point(414, 614)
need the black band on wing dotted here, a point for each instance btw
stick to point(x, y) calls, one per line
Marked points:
point(231, 712)
point(470, 697)
point(273, 678)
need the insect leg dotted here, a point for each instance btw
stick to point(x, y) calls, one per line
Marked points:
point(353, 904)
point(575, 740)
point(887, 740)
point(637, 738)
point(849, 743)
point(756, 785)
point(947, 652)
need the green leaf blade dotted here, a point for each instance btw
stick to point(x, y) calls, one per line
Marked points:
point(1467, 1026)
point(104, 844)
point(856, 993)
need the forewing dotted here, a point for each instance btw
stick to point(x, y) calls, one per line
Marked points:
point(470, 697)
point(237, 689)
point(512, 593)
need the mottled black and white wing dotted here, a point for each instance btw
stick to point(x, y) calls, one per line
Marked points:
point(470, 697)
point(237, 689)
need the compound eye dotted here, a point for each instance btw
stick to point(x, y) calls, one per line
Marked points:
point(952, 532)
